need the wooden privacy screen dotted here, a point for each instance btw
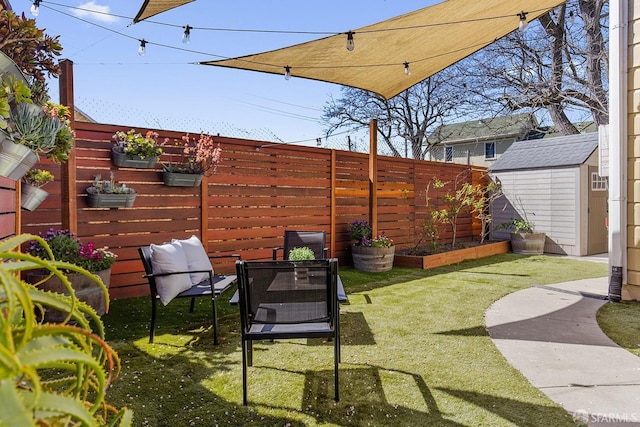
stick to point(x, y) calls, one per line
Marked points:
point(259, 190)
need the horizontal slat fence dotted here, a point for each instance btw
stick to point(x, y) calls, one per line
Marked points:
point(259, 190)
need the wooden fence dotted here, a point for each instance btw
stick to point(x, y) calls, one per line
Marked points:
point(259, 190)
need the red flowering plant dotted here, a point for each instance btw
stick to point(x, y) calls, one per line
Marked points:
point(66, 247)
point(198, 156)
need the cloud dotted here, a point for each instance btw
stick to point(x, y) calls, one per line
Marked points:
point(91, 10)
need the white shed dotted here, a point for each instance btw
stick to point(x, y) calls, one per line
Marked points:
point(554, 183)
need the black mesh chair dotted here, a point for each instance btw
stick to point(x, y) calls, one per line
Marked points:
point(212, 288)
point(314, 240)
point(285, 300)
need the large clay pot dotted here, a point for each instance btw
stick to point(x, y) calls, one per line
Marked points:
point(527, 243)
point(86, 290)
point(374, 260)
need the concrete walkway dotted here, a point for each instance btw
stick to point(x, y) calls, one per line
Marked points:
point(550, 334)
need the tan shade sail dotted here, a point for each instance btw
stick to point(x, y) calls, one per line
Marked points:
point(153, 7)
point(427, 40)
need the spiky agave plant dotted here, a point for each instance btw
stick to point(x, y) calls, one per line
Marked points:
point(51, 374)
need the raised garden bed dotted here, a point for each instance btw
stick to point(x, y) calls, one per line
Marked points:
point(426, 262)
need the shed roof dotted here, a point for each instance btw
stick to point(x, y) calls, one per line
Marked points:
point(568, 150)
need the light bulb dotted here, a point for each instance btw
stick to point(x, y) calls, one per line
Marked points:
point(186, 37)
point(35, 8)
point(350, 44)
point(523, 21)
point(407, 71)
point(142, 48)
point(572, 17)
point(287, 72)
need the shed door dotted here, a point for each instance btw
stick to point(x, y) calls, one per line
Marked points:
point(597, 239)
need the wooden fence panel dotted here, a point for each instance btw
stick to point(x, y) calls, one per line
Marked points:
point(259, 190)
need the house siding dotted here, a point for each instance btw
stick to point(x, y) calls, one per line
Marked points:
point(546, 197)
point(632, 290)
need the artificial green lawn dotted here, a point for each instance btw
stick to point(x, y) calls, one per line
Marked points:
point(621, 322)
point(414, 352)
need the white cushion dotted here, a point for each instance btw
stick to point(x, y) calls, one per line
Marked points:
point(197, 258)
point(170, 258)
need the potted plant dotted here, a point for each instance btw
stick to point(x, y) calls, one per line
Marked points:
point(31, 193)
point(108, 194)
point(198, 157)
point(34, 349)
point(64, 246)
point(28, 130)
point(372, 254)
point(524, 239)
point(134, 150)
point(301, 254)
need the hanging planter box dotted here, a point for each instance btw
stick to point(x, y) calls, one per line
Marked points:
point(31, 197)
point(110, 200)
point(181, 179)
point(15, 159)
point(123, 160)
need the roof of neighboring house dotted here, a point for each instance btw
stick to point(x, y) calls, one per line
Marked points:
point(81, 116)
point(567, 150)
point(512, 126)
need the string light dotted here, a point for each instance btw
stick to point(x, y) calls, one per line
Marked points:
point(287, 72)
point(407, 71)
point(186, 37)
point(35, 8)
point(523, 21)
point(350, 44)
point(143, 47)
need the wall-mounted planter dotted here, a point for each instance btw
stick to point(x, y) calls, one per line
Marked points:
point(110, 200)
point(15, 159)
point(123, 160)
point(31, 197)
point(426, 262)
point(181, 179)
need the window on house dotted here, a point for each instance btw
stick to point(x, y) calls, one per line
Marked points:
point(448, 154)
point(489, 150)
point(599, 183)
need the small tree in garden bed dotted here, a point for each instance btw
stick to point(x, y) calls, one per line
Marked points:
point(455, 201)
point(484, 196)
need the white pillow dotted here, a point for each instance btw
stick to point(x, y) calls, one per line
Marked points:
point(197, 258)
point(170, 258)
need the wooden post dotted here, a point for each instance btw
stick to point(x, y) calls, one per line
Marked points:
point(204, 212)
point(373, 176)
point(332, 229)
point(69, 209)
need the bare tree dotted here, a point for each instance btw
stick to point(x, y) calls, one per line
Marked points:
point(408, 117)
point(557, 64)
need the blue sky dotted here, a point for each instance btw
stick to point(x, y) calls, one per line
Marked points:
point(165, 89)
